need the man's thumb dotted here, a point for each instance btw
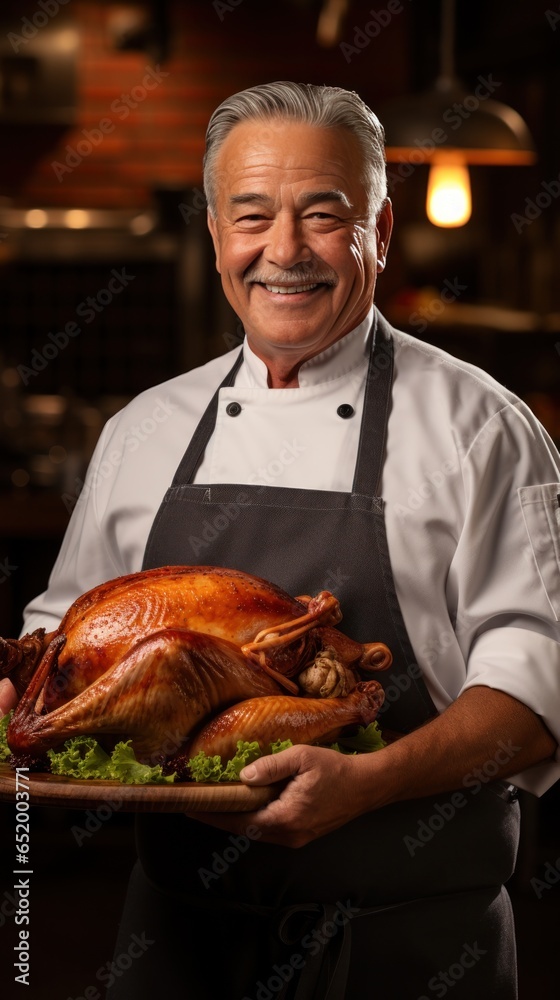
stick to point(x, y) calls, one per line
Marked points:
point(272, 767)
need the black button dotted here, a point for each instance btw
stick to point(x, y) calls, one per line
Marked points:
point(345, 411)
point(233, 409)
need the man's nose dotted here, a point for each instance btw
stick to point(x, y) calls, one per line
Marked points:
point(287, 245)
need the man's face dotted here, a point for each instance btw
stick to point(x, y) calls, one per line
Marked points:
point(296, 250)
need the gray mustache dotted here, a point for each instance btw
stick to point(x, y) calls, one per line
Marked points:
point(295, 275)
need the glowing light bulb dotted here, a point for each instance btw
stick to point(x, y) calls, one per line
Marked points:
point(36, 218)
point(448, 201)
point(76, 218)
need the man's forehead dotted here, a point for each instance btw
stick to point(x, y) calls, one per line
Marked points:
point(283, 149)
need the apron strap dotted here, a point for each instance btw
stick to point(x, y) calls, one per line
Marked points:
point(377, 403)
point(193, 455)
point(325, 973)
point(335, 953)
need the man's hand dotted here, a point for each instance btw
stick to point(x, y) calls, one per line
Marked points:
point(8, 696)
point(484, 731)
point(325, 790)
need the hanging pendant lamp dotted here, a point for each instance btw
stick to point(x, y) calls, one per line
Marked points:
point(450, 127)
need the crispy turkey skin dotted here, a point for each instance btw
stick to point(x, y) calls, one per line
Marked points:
point(165, 651)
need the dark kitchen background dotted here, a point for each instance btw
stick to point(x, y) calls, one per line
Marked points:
point(103, 109)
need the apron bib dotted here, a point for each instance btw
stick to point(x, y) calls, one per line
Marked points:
point(393, 898)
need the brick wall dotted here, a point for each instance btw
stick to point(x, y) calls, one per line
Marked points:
point(215, 49)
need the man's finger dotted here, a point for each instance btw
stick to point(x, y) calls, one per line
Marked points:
point(273, 767)
point(8, 696)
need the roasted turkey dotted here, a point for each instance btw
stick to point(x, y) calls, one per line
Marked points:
point(160, 656)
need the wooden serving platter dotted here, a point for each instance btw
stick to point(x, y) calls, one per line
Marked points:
point(181, 796)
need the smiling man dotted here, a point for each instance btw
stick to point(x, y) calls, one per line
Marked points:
point(357, 459)
point(298, 241)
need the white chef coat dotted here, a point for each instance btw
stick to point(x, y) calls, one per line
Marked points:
point(470, 484)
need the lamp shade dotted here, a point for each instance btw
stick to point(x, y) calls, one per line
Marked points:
point(448, 119)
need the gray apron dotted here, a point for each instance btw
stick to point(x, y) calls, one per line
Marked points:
point(407, 901)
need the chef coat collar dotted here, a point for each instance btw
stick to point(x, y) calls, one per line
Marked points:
point(338, 360)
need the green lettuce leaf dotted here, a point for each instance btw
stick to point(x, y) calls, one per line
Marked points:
point(280, 745)
point(245, 754)
point(83, 757)
point(204, 768)
point(124, 767)
point(368, 739)
point(208, 769)
point(4, 723)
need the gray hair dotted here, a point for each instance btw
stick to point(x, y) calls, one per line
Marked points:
point(325, 107)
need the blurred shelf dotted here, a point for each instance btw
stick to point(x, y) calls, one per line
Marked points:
point(466, 317)
point(32, 515)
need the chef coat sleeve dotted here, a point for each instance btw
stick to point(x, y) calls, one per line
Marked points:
point(506, 570)
point(85, 559)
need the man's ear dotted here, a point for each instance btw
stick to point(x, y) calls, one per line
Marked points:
point(213, 227)
point(383, 229)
